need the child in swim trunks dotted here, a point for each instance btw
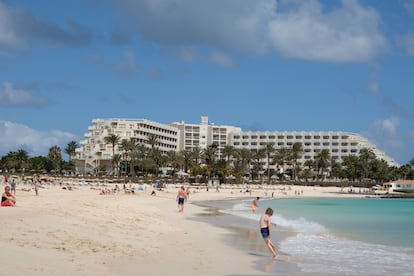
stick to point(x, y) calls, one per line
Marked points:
point(265, 230)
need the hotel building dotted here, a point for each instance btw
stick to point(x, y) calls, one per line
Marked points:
point(178, 136)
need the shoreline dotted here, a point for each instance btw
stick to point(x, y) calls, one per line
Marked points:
point(63, 232)
point(244, 235)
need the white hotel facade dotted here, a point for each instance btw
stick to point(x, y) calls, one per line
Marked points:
point(178, 136)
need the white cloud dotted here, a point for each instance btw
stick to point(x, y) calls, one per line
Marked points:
point(18, 136)
point(229, 25)
point(190, 54)
point(300, 29)
point(409, 6)
point(222, 59)
point(350, 33)
point(125, 66)
point(383, 133)
point(10, 96)
point(8, 36)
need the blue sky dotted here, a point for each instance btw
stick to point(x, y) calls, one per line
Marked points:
point(261, 65)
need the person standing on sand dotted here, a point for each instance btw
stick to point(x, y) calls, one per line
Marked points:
point(36, 187)
point(181, 198)
point(265, 230)
point(255, 204)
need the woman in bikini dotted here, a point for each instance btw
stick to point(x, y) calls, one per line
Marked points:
point(7, 198)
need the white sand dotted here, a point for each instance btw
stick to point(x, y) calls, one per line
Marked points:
point(80, 232)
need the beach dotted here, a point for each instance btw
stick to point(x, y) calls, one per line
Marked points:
point(79, 231)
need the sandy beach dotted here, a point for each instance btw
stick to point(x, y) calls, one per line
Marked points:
point(79, 232)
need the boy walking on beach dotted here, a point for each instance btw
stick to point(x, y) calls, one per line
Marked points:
point(265, 230)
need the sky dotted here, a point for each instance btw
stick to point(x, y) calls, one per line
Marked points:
point(262, 65)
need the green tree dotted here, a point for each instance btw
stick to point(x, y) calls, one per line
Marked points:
point(70, 150)
point(55, 155)
point(296, 152)
point(322, 162)
point(113, 140)
point(269, 150)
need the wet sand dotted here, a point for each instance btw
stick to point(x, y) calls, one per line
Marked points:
point(243, 234)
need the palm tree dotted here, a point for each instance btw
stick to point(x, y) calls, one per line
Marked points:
point(128, 147)
point(350, 166)
point(21, 157)
point(322, 161)
point(70, 150)
point(257, 156)
point(296, 152)
point(55, 155)
point(209, 154)
point(152, 140)
point(269, 149)
point(113, 140)
point(228, 151)
point(283, 157)
point(366, 156)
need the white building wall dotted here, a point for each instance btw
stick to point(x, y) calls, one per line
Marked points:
point(180, 136)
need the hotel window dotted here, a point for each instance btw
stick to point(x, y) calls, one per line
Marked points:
point(335, 137)
point(280, 143)
point(344, 144)
point(316, 144)
point(280, 137)
point(334, 150)
point(326, 143)
point(289, 137)
point(325, 137)
point(289, 143)
point(272, 137)
point(316, 137)
point(308, 137)
point(298, 137)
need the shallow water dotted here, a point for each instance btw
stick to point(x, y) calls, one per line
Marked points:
point(347, 236)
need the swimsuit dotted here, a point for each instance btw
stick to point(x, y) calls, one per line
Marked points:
point(265, 232)
point(181, 200)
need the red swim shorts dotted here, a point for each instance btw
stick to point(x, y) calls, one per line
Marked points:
point(6, 204)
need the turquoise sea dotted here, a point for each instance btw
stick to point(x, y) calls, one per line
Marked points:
point(370, 236)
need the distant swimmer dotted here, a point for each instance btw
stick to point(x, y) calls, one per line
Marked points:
point(255, 204)
point(265, 230)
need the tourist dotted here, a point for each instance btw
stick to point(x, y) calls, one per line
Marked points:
point(13, 187)
point(181, 198)
point(265, 230)
point(7, 198)
point(255, 204)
